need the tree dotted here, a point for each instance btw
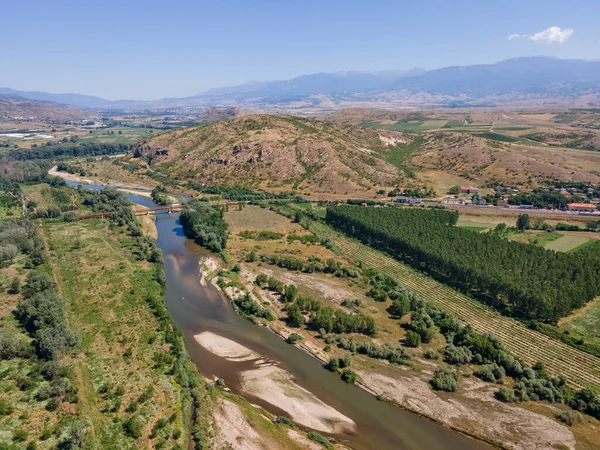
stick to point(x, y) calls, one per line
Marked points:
point(333, 364)
point(445, 379)
point(400, 306)
point(454, 190)
point(290, 293)
point(348, 376)
point(15, 286)
point(294, 316)
point(523, 222)
point(413, 339)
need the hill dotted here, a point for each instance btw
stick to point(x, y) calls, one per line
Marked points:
point(13, 107)
point(280, 153)
point(489, 162)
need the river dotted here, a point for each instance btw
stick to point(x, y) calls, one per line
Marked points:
point(196, 308)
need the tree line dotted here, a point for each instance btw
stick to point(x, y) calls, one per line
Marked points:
point(205, 225)
point(524, 280)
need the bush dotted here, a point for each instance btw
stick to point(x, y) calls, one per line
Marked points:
point(293, 338)
point(133, 427)
point(491, 373)
point(5, 408)
point(261, 279)
point(457, 355)
point(569, 418)
point(74, 437)
point(320, 439)
point(348, 376)
point(431, 354)
point(506, 395)
point(445, 379)
point(400, 306)
point(413, 339)
point(333, 364)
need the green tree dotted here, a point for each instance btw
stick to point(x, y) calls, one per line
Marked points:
point(15, 286)
point(523, 222)
point(413, 339)
point(400, 306)
point(454, 190)
point(294, 316)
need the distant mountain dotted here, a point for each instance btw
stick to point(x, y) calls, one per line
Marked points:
point(457, 86)
point(83, 101)
point(535, 75)
point(15, 107)
point(319, 83)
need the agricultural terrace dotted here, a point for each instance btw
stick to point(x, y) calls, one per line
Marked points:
point(579, 368)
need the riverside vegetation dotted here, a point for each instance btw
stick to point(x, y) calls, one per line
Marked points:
point(480, 354)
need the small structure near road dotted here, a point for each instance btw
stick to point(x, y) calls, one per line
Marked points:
point(582, 207)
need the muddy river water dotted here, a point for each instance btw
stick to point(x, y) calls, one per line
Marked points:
point(196, 309)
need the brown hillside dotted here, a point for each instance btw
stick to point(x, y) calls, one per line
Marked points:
point(279, 153)
point(489, 162)
point(13, 106)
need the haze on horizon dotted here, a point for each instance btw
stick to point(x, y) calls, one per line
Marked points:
point(143, 50)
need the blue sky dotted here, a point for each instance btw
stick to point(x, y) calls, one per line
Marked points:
point(153, 49)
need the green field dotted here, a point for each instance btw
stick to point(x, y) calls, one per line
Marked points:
point(587, 322)
point(412, 126)
point(117, 135)
point(567, 243)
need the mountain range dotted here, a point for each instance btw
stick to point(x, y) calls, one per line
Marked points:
point(518, 77)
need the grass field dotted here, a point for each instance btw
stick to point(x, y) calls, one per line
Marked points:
point(539, 238)
point(566, 243)
point(585, 321)
point(412, 126)
point(579, 368)
point(105, 288)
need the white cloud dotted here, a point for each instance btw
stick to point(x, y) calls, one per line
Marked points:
point(552, 35)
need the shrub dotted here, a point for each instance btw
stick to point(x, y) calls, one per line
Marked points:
point(506, 395)
point(286, 421)
point(293, 338)
point(133, 427)
point(569, 418)
point(413, 339)
point(431, 354)
point(491, 373)
point(5, 408)
point(19, 435)
point(457, 355)
point(400, 306)
point(333, 364)
point(320, 439)
point(445, 379)
point(348, 376)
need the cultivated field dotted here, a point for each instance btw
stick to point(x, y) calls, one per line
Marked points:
point(579, 368)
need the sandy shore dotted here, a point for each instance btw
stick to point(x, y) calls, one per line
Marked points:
point(225, 348)
point(473, 410)
point(207, 268)
point(86, 180)
point(275, 386)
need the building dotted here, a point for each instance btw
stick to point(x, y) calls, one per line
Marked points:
point(469, 190)
point(414, 201)
point(584, 207)
point(525, 206)
point(453, 201)
point(402, 199)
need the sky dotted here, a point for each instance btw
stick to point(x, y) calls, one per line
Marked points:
point(142, 50)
